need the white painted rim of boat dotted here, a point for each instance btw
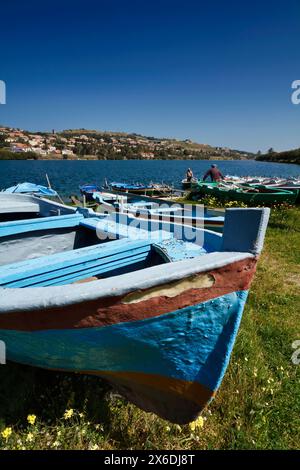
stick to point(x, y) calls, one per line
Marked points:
point(37, 298)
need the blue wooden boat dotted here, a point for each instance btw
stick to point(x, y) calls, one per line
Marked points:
point(161, 210)
point(88, 190)
point(14, 206)
point(153, 312)
point(138, 188)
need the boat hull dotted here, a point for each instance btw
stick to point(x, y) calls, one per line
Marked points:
point(165, 349)
point(264, 196)
point(185, 184)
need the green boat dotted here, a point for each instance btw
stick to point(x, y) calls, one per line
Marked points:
point(249, 194)
point(295, 190)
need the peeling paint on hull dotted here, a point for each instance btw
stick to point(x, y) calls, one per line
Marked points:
point(171, 365)
point(112, 310)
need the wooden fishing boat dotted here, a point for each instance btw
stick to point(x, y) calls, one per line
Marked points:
point(88, 190)
point(188, 184)
point(161, 210)
point(157, 320)
point(138, 188)
point(294, 187)
point(15, 206)
point(249, 194)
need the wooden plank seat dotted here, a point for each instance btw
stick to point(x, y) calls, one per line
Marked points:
point(177, 250)
point(72, 266)
point(42, 223)
point(23, 206)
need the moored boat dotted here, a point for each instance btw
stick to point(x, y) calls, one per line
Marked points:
point(292, 186)
point(247, 193)
point(87, 190)
point(162, 210)
point(152, 189)
point(158, 318)
point(187, 184)
point(14, 206)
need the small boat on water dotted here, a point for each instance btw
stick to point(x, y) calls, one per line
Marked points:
point(87, 190)
point(247, 193)
point(152, 189)
point(162, 210)
point(153, 312)
point(187, 184)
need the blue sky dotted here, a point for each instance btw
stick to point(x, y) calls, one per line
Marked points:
point(216, 72)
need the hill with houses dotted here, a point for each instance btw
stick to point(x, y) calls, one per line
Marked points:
point(74, 144)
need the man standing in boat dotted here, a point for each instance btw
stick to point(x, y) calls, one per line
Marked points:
point(189, 175)
point(214, 173)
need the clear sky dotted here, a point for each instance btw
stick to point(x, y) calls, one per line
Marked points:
point(218, 72)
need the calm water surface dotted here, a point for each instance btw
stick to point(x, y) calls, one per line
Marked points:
point(66, 176)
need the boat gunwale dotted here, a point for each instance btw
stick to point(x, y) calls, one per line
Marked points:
point(28, 298)
point(36, 298)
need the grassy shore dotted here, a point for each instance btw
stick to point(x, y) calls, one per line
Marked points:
point(257, 406)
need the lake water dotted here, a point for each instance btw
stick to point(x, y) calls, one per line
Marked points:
point(66, 176)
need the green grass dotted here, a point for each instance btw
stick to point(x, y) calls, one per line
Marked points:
point(257, 406)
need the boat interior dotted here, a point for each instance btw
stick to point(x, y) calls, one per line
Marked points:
point(21, 206)
point(79, 247)
point(244, 188)
point(148, 206)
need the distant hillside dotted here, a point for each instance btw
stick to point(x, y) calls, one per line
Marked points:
point(84, 144)
point(289, 156)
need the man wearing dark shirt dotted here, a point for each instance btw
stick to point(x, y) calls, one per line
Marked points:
point(214, 173)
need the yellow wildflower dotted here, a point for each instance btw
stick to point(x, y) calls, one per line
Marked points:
point(197, 424)
point(6, 433)
point(31, 419)
point(68, 413)
point(29, 437)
